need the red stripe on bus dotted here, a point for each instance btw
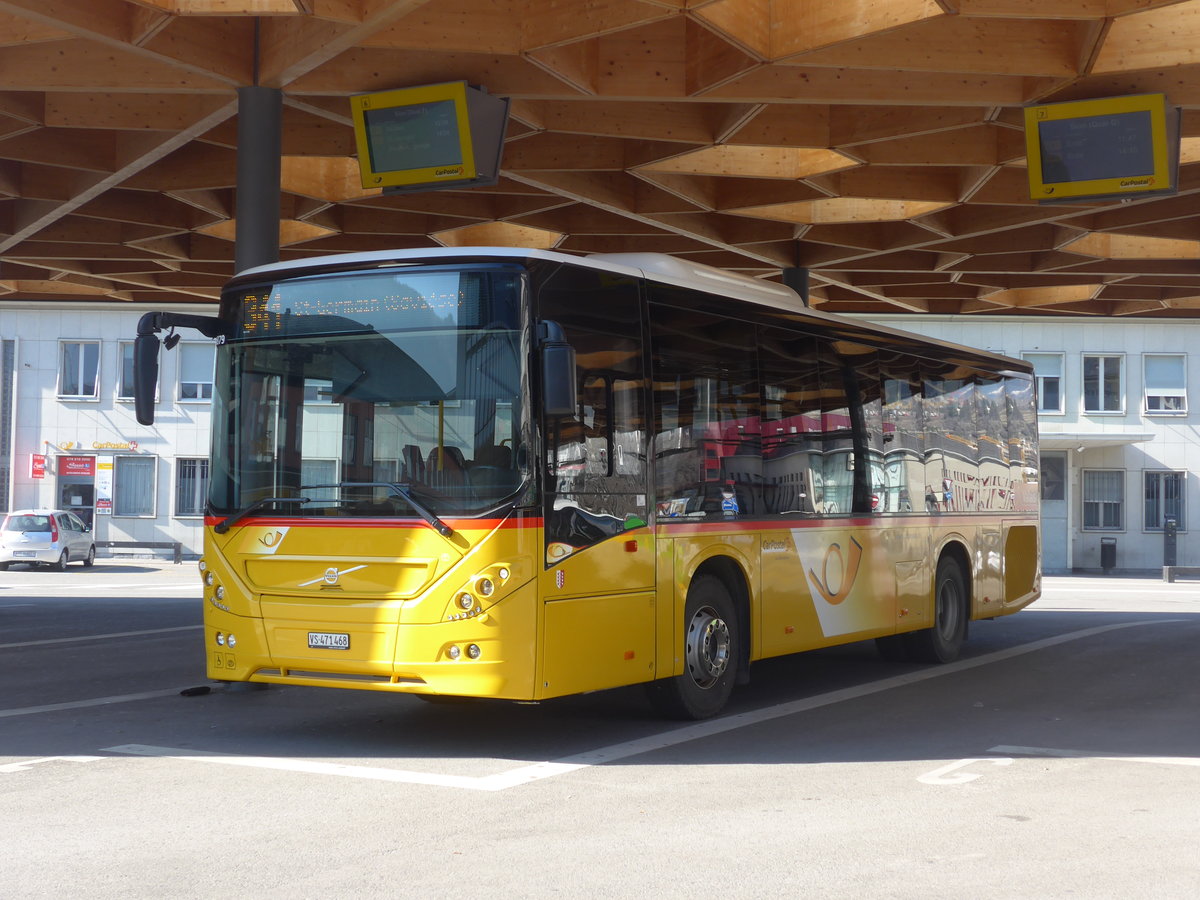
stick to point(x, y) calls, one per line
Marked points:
point(456, 524)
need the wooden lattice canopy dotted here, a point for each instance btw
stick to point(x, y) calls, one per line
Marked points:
point(878, 143)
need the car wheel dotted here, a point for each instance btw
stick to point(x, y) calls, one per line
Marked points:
point(90, 559)
point(61, 565)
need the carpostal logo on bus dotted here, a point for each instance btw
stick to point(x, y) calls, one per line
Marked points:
point(449, 172)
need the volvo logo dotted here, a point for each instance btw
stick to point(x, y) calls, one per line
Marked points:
point(331, 575)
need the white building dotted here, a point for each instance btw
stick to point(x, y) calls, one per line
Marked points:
point(1117, 432)
point(68, 435)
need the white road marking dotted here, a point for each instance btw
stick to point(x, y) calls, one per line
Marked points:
point(74, 586)
point(99, 637)
point(549, 769)
point(26, 764)
point(302, 765)
point(949, 774)
point(1091, 754)
point(84, 704)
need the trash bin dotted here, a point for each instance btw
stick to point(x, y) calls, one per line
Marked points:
point(1108, 554)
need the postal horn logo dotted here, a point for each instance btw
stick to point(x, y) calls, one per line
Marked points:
point(843, 568)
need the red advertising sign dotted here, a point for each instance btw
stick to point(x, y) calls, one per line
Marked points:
point(37, 465)
point(77, 465)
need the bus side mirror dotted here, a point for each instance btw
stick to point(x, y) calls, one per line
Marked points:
point(559, 394)
point(145, 376)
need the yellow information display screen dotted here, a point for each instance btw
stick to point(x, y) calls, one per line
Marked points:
point(1100, 148)
point(414, 136)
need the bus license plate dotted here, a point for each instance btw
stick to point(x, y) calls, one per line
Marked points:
point(328, 640)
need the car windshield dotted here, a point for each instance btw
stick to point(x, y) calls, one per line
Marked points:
point(388, 392)
point(26, 522)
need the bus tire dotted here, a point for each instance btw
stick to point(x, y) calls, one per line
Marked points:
point(711, 655)
point(943, 642)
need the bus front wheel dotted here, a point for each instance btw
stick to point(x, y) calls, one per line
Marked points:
point(951, 604)
point(711, 655)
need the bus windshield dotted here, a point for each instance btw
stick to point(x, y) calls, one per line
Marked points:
point(391, 392)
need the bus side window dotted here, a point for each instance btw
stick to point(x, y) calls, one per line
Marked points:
point(791, 422)
point(588, 496)
point(708, 437)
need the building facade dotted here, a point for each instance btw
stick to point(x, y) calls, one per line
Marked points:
point(1118, 430)
point(68, 434)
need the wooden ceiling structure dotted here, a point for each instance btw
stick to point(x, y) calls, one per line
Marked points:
point(877, 143)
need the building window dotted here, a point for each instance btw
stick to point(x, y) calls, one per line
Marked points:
point(1048, 372)
point(1103, 384)
point(125, 378)
point(196, 363)
point(1103, 500)
point(133, 486)
point(191, 486)
point(79, 369)
point(125, 374)
point(319, 472)
point(1163, 494)
point(1165, 377)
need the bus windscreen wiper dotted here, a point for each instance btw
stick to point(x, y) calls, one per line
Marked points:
point(396, 490)
point(225, 524)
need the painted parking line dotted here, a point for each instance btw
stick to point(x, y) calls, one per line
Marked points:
point(97, 587)
point(99, 637)
point(84, 704)
point(1091, 754)
point(540, 771)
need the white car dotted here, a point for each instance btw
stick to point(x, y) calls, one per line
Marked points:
point(48, 537)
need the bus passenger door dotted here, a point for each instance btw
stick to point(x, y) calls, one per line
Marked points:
point(597, 582)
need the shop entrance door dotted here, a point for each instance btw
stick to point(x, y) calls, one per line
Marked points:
point(77, 486)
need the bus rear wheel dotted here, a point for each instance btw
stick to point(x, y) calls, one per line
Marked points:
point(711, 655)
point(951, 604)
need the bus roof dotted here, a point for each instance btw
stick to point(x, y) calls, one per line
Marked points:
point(658, 267)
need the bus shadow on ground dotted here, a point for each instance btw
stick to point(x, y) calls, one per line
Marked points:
point(1103, 682)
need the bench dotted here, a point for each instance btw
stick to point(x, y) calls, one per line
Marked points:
point(1171, 572)
point(175, 547)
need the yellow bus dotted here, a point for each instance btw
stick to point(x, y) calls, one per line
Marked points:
point(522, 474)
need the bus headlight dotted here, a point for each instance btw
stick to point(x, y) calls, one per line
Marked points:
point(465, 601)
point(485, 586)
point(453, 652)
point(473, 651)
point(220, 639)
point(231, 642)
point(219, 593)
point(209, 578)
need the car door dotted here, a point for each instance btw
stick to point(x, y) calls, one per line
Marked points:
point(74, 540)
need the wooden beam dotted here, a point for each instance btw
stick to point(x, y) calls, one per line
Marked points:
point(782, 83)
point(360, 70)
point(1151, 39)
point(168, 145)
point(800, 26)
point(745, 23)
point(546, 23)
point(292, 47)
point(962, 44)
